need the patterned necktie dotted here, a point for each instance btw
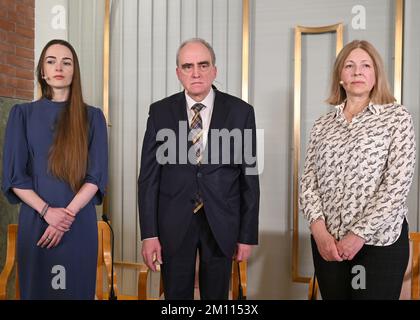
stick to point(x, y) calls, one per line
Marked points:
point(197, 131)
point(197, 141)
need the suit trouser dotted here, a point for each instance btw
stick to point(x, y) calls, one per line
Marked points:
point(178, 271)
point(374, 273)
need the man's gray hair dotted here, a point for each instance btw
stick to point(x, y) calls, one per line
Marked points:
point(197, 40)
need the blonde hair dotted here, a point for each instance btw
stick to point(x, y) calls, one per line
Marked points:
point(381, 92)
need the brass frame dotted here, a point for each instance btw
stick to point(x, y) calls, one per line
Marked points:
point(398, 54)
point(105, 99)
point(105, 96)
point(245, 50)
point(338, 29)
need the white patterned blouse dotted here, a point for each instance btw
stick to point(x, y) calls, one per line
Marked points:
point(357, 174)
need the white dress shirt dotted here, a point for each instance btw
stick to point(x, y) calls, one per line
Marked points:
point(205, 113)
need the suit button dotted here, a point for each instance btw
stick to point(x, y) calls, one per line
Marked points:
point(199, 175)
point(192, 201)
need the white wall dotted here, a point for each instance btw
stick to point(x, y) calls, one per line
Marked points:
point(85, 33)
point(80, 23)
point(50, 23)
point(411, 94)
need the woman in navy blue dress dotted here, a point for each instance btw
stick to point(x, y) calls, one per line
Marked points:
point(55, 163)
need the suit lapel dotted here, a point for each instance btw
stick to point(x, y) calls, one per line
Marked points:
point(180, 109)
point(218, 119)
point(220, 111)
point(180, 114)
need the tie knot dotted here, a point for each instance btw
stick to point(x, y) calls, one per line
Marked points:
point(198, 107)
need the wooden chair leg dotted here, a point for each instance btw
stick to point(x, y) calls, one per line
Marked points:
point(142, 283)
point(313, 289)
point(242, 273)
point(10, 262)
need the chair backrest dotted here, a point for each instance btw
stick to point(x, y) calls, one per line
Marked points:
point(10, 263)
point(105, 262)
point(236, 275)
point(415, 257)
point(313, 289)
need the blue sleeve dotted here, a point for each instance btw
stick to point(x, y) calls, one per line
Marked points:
point(97, 172)
point(15, 156)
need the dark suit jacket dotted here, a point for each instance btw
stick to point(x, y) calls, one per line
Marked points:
point(166, 191)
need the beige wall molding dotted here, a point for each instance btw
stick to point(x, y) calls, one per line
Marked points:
point(299, 30)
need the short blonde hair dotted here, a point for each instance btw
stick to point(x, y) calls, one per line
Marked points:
point(381, 92)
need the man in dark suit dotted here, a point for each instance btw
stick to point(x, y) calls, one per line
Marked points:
point(197, 190)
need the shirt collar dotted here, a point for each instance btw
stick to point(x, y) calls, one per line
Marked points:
point(375, 109)
point(207, 101)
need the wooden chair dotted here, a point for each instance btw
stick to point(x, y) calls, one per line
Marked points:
point(235, 280)
point(415, 275)
point(104, 261)
point(313, 289)
point(415, 257)
point(104, 264)
point(9, 265)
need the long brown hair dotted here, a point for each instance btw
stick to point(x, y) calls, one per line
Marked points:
point(68, 156)
point(381, 92)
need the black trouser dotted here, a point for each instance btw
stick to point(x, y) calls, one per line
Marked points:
point(384, 272)
point(178, 271)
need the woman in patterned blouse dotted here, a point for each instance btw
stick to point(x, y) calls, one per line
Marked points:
point(358, 171)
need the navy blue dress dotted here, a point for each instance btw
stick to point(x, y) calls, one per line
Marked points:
point(67, 271)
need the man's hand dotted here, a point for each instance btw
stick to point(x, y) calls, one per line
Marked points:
point(243, 252)
point(151, 252)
